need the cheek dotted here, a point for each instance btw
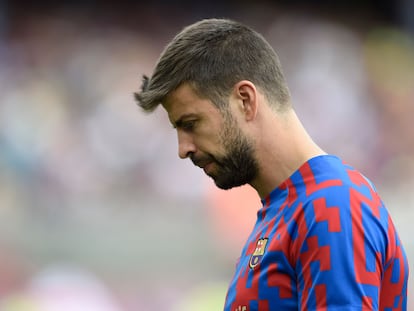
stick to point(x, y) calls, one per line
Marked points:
point(216, 144)
point(210, 135)
point(213, 137)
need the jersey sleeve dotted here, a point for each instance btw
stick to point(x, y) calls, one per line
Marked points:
point(345, 240)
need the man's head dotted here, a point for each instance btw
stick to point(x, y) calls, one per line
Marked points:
point(200, 77)
point(212, 56)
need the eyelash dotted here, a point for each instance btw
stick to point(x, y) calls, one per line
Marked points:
point(188, 125)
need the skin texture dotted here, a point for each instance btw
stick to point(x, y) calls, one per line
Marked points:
point(254, 144)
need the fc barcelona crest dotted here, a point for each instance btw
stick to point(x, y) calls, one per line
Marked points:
point(258, 252)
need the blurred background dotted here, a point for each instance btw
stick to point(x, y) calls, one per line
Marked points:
point(97, 213)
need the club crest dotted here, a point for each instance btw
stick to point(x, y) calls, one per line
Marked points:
point(258, 252)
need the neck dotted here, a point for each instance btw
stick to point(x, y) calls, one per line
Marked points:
point(284, 146)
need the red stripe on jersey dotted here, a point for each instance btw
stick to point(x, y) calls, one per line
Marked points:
point(331, 214)
point(264, 305)
point(358, 237)
point(320, 292)
point(314, 253)
point(292, 193)
point(297, 244)
point(310, 182)
point(390, 290)
point(304, 300)
point(375, 202)
point(244, 294)
point(282, 281)
point(392, 245)
point(367, 303)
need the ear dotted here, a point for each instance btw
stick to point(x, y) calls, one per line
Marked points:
point(246, 94)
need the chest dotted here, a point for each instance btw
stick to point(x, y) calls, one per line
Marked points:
point(265, 277)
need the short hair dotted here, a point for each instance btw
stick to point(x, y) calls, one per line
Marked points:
point(212, 55)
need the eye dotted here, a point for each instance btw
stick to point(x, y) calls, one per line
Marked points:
point(188, 125)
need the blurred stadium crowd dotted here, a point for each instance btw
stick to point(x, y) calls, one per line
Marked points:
point(98, 213)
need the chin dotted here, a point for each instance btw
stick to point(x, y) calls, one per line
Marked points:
point(226, 185)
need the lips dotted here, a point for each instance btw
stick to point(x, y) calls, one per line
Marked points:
point(204, 163)
point(207, 167)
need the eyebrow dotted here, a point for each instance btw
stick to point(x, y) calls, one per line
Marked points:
point(181, 120)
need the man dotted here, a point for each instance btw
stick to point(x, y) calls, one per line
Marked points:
point(323, 239)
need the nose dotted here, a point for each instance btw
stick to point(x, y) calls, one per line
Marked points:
point(186, 144)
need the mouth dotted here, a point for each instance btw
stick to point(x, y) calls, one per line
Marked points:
point(204, 164)
point(207, 167)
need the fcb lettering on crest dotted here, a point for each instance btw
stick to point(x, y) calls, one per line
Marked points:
point(258, 252)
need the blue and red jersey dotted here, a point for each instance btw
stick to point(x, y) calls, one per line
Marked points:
point(323, 240)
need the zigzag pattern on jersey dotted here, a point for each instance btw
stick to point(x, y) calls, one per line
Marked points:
point(289, 213)
point(307, 247)
point(248, 284)
point(277, 226)
point(396, 269)
point(305, 227)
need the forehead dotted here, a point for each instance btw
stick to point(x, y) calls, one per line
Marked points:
point(185, 101)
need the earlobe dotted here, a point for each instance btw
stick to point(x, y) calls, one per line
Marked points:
point(247, 94)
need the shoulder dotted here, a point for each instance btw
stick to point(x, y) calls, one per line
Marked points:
point(325, 187)
point(330, 178)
